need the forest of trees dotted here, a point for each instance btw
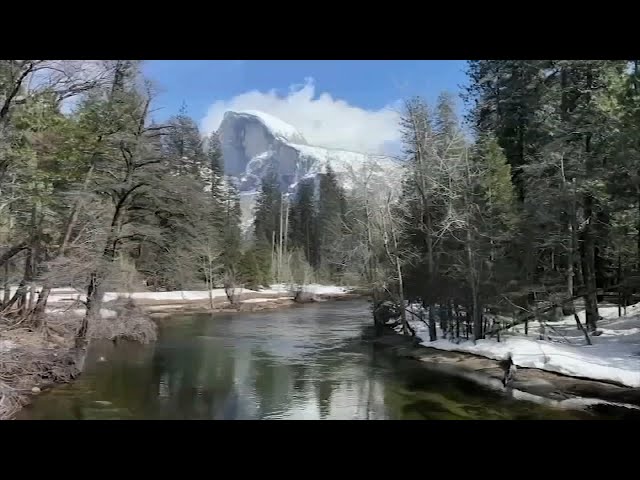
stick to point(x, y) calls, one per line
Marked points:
point(542, 204)
point(541, 200)
point(98, 196)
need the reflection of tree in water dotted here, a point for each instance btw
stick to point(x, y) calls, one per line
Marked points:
point(324, 388)
point(272, 382)
point(299, 377)
point(217, 373)
point(201, 375)
point(198, 375)
point(123, 379)
point(192, 375)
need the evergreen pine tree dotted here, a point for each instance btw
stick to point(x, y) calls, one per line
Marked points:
point(267, 209)
point(184, 147)
point(446, 125)
point(329, 221)
point(302, 220)
point(249, 272)
point(231, 232)
point(216, 164)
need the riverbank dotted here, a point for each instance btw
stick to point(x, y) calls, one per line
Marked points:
point(246, 301)
point(612, 354)
point(530, 384)
point(68, 301)
point(33, 361)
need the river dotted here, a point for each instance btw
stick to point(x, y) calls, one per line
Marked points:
point(304, 362)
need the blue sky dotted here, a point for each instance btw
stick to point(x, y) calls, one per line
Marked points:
point(334, 103)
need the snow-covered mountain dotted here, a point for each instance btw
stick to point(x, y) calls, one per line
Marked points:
point(252, 141)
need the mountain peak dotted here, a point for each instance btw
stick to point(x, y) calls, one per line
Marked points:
point(277, 127)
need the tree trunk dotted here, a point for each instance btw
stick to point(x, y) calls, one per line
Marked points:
point(571, 235)
point(589, 233)
point(588, 267)
point(6, 296)
point(18, 297)
point(430, 259)
point(403, 314)
point(467, 327)
point(94, 288)
point(485, 322)
point(12, 252)
point(32, 296)
point(94, 301)
point(619, 286)
point(571, 194)
point(37, 313)
point(273, 257)
point(433, 335)
point(581, 328)
point(286, 227)
point(25, 285)
point(210, 283)
point(476, 318)
point(638, 227)
point(444, 318)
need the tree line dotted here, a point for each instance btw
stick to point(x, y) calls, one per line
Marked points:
point(543, 202)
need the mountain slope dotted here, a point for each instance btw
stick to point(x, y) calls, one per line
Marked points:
point(252, 141)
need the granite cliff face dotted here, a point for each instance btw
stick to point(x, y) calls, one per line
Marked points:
point(253, 141)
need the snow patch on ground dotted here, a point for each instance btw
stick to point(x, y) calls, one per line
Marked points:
point(614, 355)
point(67, 296)
point(569, 403)
point(313, 288)
point(318, 289)
point(262, 300)
point(57, 295)
point(79, 312)
point(278, 288)
point(181, 295)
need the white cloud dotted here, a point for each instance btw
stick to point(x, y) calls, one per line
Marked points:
point(323, 120)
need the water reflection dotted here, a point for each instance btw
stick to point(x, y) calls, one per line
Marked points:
point(301, 363)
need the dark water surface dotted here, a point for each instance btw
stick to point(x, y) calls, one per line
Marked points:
point(297, 363)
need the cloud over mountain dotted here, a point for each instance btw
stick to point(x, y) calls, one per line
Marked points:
point(322, 119)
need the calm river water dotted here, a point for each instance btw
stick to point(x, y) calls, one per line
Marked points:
point(299, 363)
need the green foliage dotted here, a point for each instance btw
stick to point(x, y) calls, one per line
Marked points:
point(446, 124)
point(331, 210)
point(495, 181)
point(248, 270)
point(214, 155)
point(231, 233)
point(254, 267)
point(184, 148)
point(268, 207)
point(302, 221)
point(301, 271)
point(569, 131)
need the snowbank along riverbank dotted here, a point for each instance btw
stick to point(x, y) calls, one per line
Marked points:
point(614, 355)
